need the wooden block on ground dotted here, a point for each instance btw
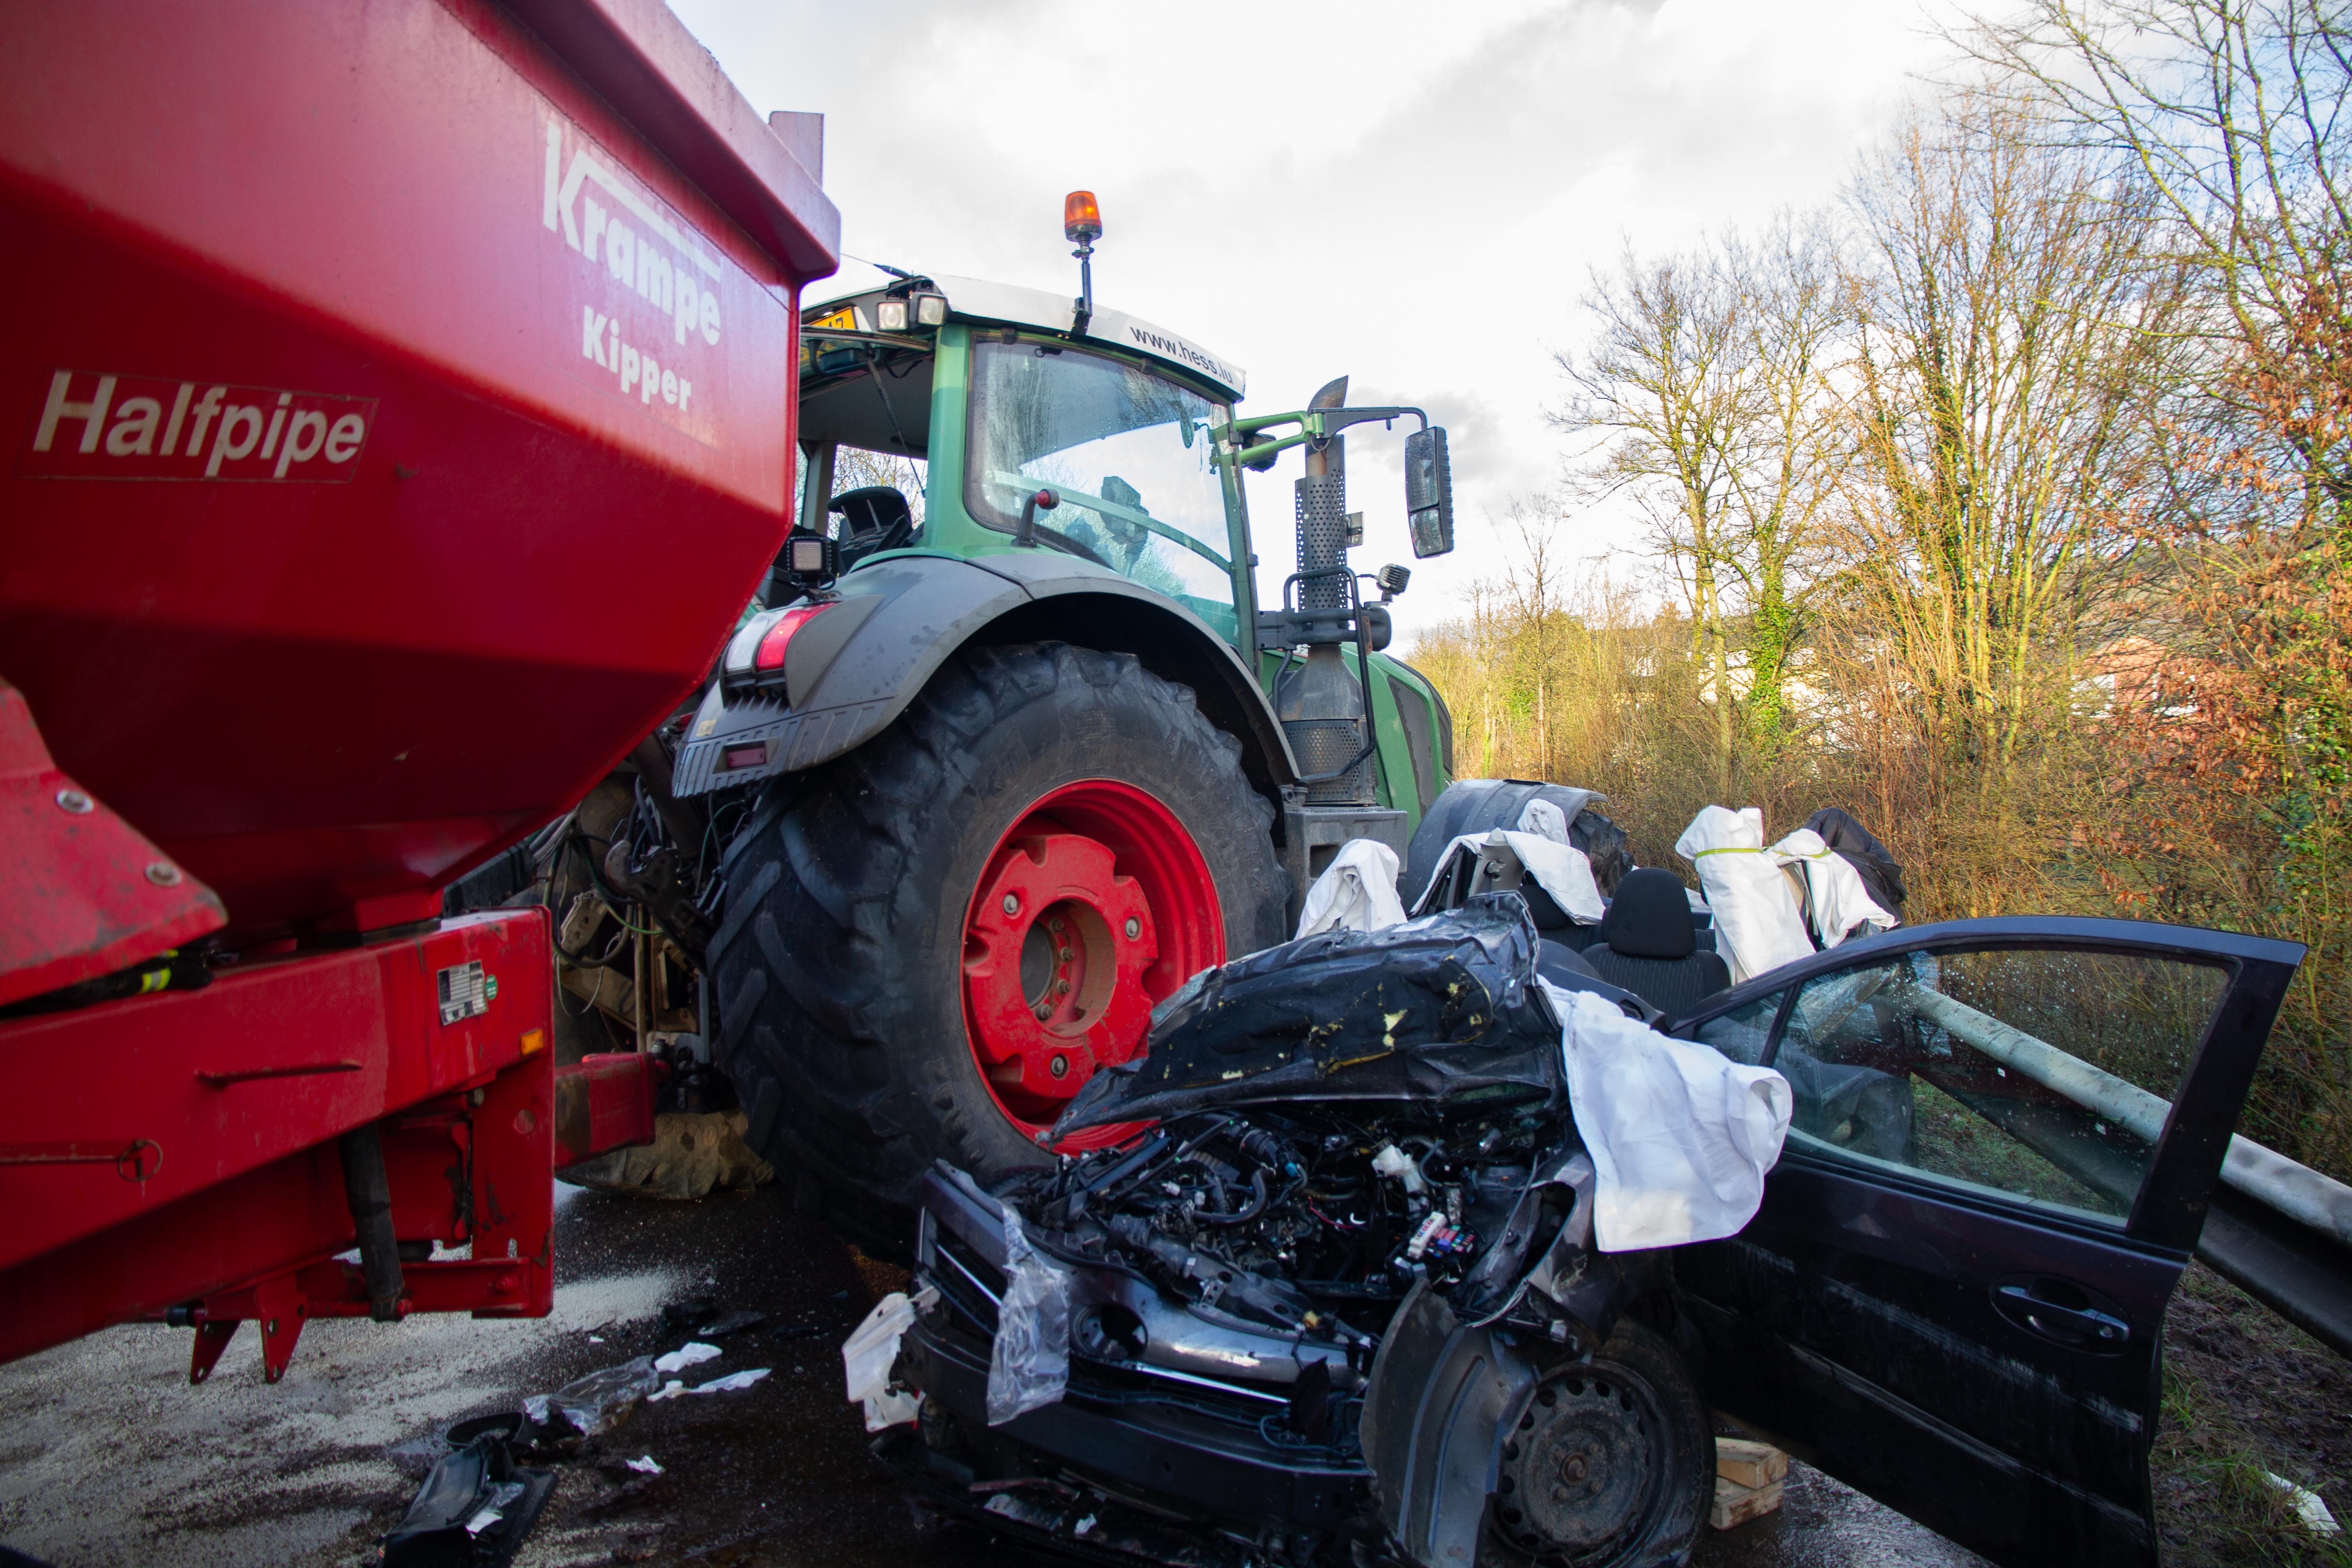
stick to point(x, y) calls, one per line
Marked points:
point(1750, 1463)
point(1736, 1504)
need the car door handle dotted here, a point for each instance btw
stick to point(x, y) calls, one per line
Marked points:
point(2085, 1327)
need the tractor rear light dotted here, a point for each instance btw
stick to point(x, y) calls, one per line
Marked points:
point(769, 657)
point(744, 644)
point(752, 754)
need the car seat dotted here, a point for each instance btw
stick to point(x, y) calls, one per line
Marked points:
point(1648, 945)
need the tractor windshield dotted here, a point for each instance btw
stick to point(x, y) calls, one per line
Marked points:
point(1129, 455)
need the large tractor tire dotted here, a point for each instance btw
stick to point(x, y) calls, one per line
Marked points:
point(930, 943)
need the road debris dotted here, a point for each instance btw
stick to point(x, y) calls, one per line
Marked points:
point(598, 1402)
point(692, 1353)
point(647, 1466)
point(2309, 1506)
point(871, 1352)
point(733, 1383)
point(474, 1509)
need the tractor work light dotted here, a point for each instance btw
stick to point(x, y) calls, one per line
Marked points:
point(931, 309)
point(890, 315)
point(1081, 219)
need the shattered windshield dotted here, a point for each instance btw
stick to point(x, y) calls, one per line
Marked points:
point(1128, 453)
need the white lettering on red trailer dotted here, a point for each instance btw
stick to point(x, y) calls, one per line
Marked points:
point(628, 242)
point(104, 425)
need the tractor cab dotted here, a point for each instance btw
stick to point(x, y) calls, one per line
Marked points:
point(987, 387)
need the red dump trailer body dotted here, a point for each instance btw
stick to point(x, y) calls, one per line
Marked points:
point(401, 397)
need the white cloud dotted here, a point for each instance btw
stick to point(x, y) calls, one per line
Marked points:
point(1409, 195)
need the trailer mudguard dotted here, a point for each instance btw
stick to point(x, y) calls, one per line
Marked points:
point(852, 670)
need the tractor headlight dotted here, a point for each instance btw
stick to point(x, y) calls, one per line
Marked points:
point(931, 309)
point(890, 316)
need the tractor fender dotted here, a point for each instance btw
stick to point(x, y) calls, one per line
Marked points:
point(852, 669)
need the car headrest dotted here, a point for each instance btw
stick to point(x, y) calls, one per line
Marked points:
point(1650, 917)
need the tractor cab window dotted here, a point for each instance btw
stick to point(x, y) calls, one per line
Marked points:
point(1127, 452)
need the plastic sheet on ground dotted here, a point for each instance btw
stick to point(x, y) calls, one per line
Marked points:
point(868, 1356)
point(692, 1353)
point(1427, 1010)
point(733, 1383)
point(600, 1401)
point(1356, 890)
point(1029, 1365)
point(1757, 921)
point(1680, 1136)
point(1838, 902)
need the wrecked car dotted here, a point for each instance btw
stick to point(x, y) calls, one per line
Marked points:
point(1347, 1292)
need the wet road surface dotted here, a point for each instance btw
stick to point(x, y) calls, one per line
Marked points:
point(108, 1457)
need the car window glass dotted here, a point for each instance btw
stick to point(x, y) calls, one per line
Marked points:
point(2042, 1074)
point(1742, 1033)
point(1127, 452)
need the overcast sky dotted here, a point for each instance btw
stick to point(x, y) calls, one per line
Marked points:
point(1408, 195)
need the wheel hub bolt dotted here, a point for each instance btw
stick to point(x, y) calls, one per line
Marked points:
point(1574, 1469)
point(1044, 1010)
point(1061, 1066)
point(1011, 903)
point(1134, 928)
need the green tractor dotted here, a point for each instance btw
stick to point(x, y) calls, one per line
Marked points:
point(1018, 765)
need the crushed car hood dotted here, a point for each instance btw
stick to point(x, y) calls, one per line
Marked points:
point(1425, 1010)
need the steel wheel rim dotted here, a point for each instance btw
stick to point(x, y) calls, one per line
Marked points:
point(1092, 906)
point(1585, 1470)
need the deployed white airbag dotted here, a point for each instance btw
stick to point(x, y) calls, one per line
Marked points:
point(1840, 902)
point(1357, 890)
point(1559, 869)
point(1758, 924)
point(1680, 1134)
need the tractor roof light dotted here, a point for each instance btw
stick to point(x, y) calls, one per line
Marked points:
point(1081, 219)
point(931, 309)
point(891, 315)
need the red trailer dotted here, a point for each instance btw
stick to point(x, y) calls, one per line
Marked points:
point(401, 397)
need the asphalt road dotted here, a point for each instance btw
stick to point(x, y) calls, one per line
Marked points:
point(108, 1459)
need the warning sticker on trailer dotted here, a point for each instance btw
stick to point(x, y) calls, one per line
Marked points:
point(652, 296)
point(102, 425)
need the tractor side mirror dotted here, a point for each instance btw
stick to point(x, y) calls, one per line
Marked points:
point(1428, 493)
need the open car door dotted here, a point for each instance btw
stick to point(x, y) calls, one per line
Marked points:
point(2005, 1138)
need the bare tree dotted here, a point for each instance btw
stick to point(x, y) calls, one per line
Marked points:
point(1663, 388)
point(2230, 114)
point(1789, 448)
point(2012, 338)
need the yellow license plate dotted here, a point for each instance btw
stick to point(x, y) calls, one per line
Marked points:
point(844, 319)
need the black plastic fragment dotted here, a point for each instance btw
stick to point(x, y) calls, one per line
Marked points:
point(474, 1509)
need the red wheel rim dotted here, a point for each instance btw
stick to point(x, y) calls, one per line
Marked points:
point(1094, 905)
